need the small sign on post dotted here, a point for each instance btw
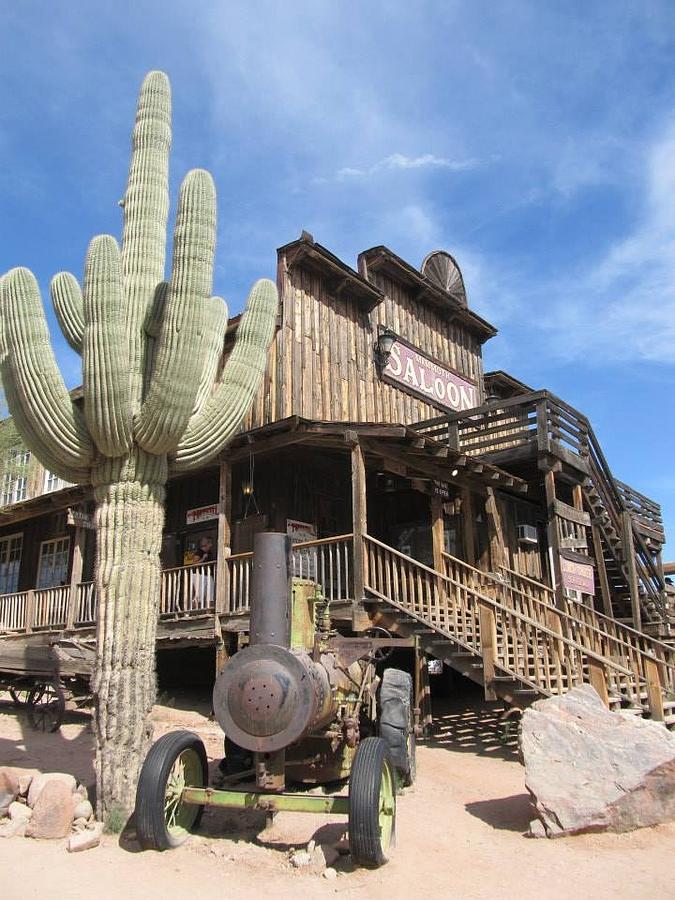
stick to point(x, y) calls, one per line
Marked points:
point(577, 576)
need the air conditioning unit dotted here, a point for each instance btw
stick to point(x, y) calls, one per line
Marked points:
point(527, 534)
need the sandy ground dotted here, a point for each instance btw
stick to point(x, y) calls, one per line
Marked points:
point(460, 834)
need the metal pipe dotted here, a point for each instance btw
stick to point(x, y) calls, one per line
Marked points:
point(270, 621)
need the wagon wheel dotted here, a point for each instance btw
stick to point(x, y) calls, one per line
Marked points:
point(372, 803)
point(46, 704)
point(19, 692)
point(176, 761)
point(381, 653)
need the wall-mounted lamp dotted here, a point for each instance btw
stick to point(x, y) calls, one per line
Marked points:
point(385, 341)
point(454, 473)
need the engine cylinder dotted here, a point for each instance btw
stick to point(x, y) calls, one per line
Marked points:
point(268, 696)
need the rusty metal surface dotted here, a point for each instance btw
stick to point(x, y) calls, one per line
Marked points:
point(270, 589)
point(267, 697)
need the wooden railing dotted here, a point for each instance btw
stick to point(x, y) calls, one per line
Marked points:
point(542, 420)
point(188, 589)
point(86, 606)
point(612, 637)
point(51, 607)
point(13, 612)
point(327, 561)
point(509, 630)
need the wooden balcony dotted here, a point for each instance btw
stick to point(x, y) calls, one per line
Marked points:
point(187, 592)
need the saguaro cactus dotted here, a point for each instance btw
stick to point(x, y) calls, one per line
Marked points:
point(150, 352)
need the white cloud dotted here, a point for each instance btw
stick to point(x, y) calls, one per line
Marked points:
point(399, 161)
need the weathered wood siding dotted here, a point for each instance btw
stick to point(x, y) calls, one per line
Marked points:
point(321, 363)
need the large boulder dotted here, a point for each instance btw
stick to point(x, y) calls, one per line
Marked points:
point(39, 782)
point(589, 769)
point(53, 811)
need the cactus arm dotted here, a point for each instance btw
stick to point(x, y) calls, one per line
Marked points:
point(105, 356)
point(32, 379)
point(146, 207)
point(220, 417)
point(67, 302)
point(178, 352)
point(212, 347)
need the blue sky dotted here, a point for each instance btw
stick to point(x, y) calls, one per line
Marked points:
point(534, 140)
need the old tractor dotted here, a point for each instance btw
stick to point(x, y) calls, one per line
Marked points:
point(301, 706)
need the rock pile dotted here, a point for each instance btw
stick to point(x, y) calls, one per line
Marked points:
point(589, 769)
point(47, 806)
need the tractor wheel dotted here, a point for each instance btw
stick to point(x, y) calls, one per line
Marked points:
point(372, 803)
point(396, 725)
point(176, 761)
point(46, 705)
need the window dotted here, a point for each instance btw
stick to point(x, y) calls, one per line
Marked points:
point(53, 482)
point(15, 478)
point(53, 564)
point(10, 560)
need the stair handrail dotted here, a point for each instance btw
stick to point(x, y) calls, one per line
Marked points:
point(646, 646)
point(495, 605)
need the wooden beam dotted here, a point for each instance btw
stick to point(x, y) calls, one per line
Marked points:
point(75, 574)
point(488, 648)
point(468, 525)
point(598, 679)
point(654, 691)
point(629, 553)
point(437, 532)
point(578, 497)
point(497, 547)
point(223, 549)
point(602, 572)
point(553, 536)
point(571, 513)
point(360, 619)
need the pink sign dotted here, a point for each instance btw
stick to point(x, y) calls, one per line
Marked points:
point(421, 376)
point(577, 576)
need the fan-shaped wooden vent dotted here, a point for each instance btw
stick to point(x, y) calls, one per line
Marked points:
point(442, 270)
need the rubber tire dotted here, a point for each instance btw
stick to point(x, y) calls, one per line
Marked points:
point(364, 802)
point(396, 722)
point(150, 794)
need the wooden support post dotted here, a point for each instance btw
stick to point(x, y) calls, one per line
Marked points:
point(488, 648)
point(654, 690)
point(223, 550)
point(468, 525)
point(497, 548)
point(578, 497)
point(75, 575)
point(437, 532)
point(360, 620)
point(598, 679)
point(30, 610)
point(553, 537)
point(629, 552)
point(602, 572)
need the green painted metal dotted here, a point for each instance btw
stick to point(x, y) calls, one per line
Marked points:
point(180, 816)
point(309, 803)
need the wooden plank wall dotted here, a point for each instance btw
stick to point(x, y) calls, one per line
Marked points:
point(321, 363)
point(523, 558)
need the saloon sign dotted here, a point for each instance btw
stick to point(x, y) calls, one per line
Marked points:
point(421, 376)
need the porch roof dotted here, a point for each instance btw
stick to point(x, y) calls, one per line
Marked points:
point(409, 451)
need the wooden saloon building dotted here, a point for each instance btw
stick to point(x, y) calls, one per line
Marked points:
point(458, 507)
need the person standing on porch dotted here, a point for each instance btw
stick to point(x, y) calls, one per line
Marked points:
point(202, 580)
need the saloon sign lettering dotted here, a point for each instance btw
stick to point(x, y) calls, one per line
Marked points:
point(419, 375)
point(577, 576)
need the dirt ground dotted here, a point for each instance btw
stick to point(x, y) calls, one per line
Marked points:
point(459, 833)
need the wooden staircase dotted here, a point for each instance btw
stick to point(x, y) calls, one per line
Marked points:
point(630, 534)
point(505, 632)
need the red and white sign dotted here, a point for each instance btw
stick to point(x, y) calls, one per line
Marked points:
point(299, 532)
point(577, 576)
point(423, 377)
point(201, 514)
